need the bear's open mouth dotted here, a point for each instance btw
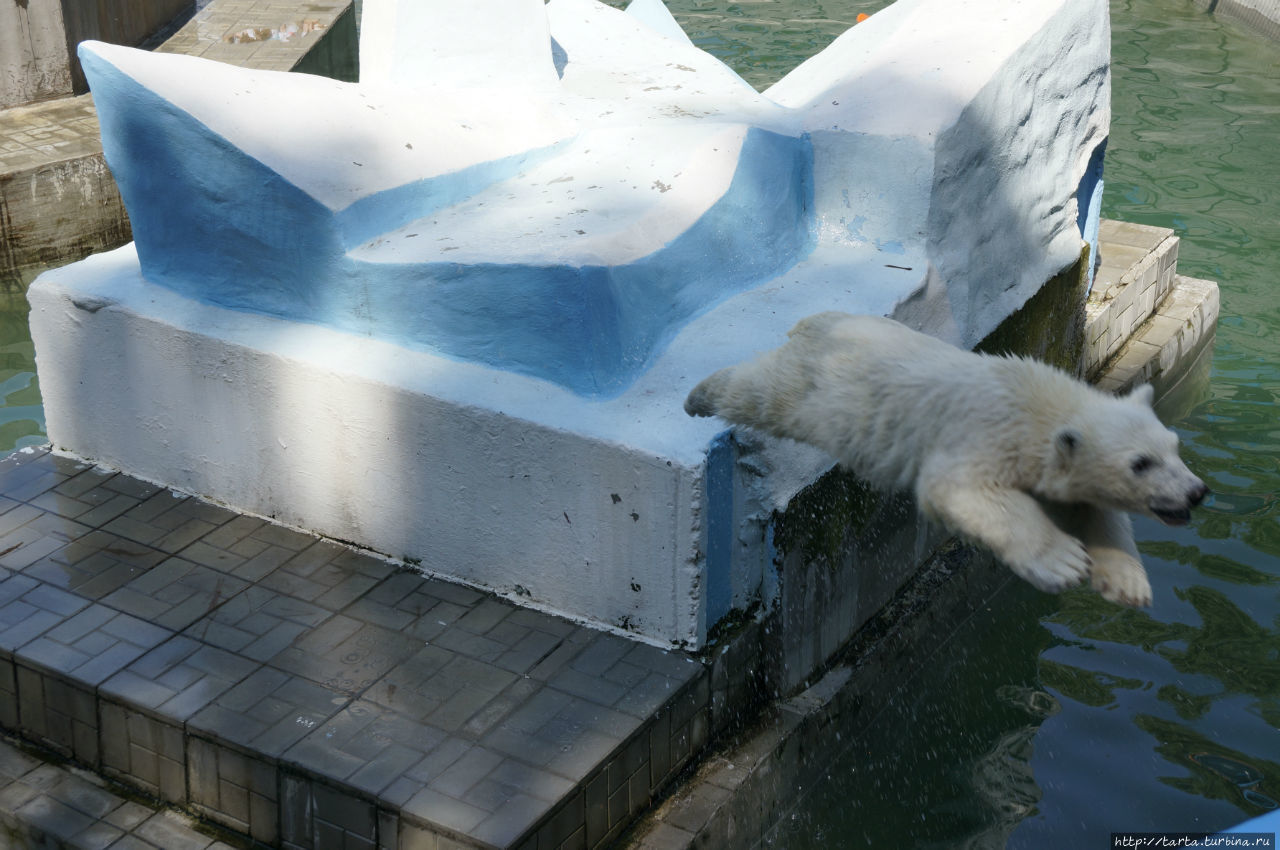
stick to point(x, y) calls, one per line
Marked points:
point(1178, 516)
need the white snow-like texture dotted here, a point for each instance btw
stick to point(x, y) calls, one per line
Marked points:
point(557, 190)
point(1034, 464)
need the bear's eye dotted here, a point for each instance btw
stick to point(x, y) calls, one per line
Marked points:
point(1142, 463)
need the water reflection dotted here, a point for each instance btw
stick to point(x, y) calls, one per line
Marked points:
point(949, 761)
point(1242, 775)
point(1006, 785)
point(1215, 772)
point(1228, 646)
point(284, 32)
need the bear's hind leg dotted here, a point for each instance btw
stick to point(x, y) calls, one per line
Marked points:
point(1010, 523)
point(704, 399)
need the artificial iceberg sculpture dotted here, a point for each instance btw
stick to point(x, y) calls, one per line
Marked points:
point(536, 216)
point(550, 190)
point(451, 313)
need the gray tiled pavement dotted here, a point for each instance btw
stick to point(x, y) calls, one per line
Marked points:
point(286, 687)
point(52, 806)
point(305, 694)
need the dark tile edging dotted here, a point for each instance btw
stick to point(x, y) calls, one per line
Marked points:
point(740, 791)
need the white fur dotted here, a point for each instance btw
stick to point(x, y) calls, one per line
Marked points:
point(1019, 456)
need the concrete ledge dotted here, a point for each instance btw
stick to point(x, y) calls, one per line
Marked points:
point(58, 198)
point(1182, 325)
point(1144, 323)
point(275, 35)
point(1134, 275)
point(1261, 15)
point(56, 806)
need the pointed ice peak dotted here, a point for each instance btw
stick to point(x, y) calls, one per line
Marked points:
point(657, 17)
point(485, 43)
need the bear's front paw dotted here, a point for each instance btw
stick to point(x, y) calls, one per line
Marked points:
point(1062, 564)
point(1120, 578)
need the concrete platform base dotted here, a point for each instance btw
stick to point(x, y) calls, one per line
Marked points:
point(58, 201)
point(624, 511)
point(1171, 338)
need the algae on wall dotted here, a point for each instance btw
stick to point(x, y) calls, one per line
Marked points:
point(1050, 326)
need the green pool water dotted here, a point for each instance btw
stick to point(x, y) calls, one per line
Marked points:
point(1051, 722)
point(21, 414)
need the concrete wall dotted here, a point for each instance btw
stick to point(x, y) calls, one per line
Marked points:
point(335, 54)
point(128, 22)
point(1261, 15)
point(57, 212)
point(38, 38)
point(33, 53)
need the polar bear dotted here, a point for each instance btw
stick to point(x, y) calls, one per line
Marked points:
point(1028, 461)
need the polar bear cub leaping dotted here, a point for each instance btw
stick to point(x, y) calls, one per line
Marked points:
point(1013, 453)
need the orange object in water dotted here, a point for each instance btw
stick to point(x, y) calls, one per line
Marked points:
point(862, 16)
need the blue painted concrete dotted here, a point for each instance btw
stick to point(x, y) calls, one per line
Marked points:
point(1089, 206)
point(718, 592)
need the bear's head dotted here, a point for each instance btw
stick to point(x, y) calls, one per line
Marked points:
point(1117, 454)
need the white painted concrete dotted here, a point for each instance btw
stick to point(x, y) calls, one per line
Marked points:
point(453, 324)
point(695, 163)
point(493, 44)
point(491, 477)
point(925, 120)
point(286, 122)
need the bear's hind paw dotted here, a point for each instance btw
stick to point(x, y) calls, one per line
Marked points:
point(703, 400)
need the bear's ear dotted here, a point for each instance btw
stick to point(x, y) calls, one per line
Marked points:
point(1142, 394)
point(1065, 443)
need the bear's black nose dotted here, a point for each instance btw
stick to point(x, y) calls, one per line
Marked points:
point(1197, 494)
